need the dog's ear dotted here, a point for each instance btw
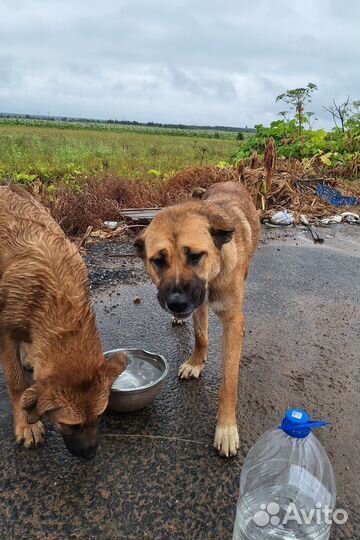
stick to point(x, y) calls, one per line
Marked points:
point(221, 236)
point(139, 244)
point(115, 366)
point(198, 193)
point(221, 230)
point(37, 405)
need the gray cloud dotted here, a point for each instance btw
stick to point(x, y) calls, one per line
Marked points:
point(193, 61)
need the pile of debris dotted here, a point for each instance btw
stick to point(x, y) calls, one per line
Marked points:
point(297, 193)
point(275, 184)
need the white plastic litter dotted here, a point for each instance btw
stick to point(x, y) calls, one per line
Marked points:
point(112, 225)
point(350, 217)
point(282, 218)
point(332, 219)
point(346, 217)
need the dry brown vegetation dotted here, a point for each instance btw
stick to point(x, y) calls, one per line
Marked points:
point(291, 188)
point(98, 202)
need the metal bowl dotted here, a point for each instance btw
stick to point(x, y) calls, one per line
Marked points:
point(141, 381)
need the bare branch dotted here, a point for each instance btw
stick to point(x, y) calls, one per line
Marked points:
point(341, 112)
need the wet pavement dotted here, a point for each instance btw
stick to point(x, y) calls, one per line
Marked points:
point(156, 475)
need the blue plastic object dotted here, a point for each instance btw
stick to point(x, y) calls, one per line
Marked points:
point(297, 423)
point(334, 197)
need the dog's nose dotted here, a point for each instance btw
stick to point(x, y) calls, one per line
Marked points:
point(177, 302)
point(89, 453)
point(79, 448)
point(85, 452)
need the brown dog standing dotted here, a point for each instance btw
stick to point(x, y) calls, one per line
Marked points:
point(198, 253)
point(46, 315)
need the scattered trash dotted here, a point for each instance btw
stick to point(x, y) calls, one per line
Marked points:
point(334, 197)
point(350, 217)
point(137, 300)
point(314, 233)
point(332, 219)
point(109, 234)
point(280, 219)
point(284, 218)
point(112, 225)
point(346, 217)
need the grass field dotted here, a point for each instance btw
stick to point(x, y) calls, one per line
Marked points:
point(88, 176)
point(74, 154)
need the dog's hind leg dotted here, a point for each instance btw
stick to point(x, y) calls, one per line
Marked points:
point(25, 433)
point(195, 364)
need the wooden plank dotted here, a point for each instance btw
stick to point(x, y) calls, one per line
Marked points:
point(140, 215)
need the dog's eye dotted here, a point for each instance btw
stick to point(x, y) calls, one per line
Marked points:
point(194, 258)
point(159, 262)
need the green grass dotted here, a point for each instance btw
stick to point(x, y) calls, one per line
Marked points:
point(208, 133)
point(70, 155)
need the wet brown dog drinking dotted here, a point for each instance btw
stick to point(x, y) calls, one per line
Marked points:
point(198, 254)
point(46, 320)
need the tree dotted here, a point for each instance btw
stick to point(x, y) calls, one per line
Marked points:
point(356, 106)
point(354, 118)
point(309, 119)
point(356, 110)
point(341, 112)
point(284, 115)
point(297, 99)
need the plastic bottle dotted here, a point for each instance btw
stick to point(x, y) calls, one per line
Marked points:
point(287, 485)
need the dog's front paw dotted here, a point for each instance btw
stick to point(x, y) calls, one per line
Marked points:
point(30, 435)
point(227, 440)
point(189, 371)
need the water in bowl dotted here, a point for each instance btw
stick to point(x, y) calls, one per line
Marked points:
point(138, 373)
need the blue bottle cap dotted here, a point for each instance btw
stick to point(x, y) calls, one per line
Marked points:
point(297, 423)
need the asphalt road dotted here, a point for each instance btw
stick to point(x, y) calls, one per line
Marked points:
point(156, 475)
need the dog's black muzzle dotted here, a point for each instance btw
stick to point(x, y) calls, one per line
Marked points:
point(181, 299)
point(82, 444)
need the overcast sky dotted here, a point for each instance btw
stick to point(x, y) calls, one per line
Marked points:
point(191, 61)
